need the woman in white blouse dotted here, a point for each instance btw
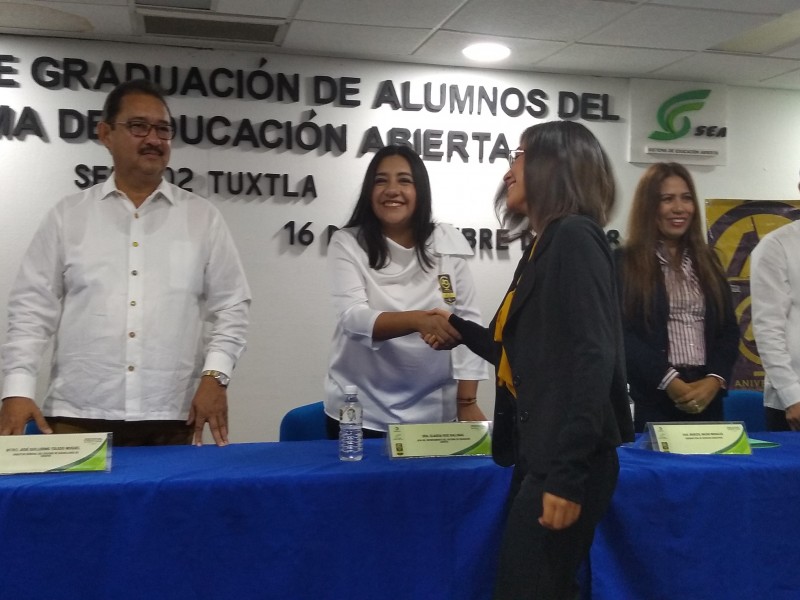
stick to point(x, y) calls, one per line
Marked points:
point(390, 267)
point(681, 336)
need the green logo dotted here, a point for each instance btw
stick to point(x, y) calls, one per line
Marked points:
point(673, 108)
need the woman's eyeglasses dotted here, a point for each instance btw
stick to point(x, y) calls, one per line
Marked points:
point(513, 155)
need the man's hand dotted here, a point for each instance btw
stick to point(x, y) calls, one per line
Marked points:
point(15, 413)
point(209, 405)
point(558, 513)
point(793, 417)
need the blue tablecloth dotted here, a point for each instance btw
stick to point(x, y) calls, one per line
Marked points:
point(702, 527)
point(284, 521)
point(290, 521)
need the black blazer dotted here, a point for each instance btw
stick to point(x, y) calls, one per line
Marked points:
point(647, 349)
point(563, 337)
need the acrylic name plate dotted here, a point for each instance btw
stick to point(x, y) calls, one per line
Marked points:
point(439, 439)
point(699, 438)
point(55, 453)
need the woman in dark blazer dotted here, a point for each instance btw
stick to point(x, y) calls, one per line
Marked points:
point(681, 336)
point(561, 407)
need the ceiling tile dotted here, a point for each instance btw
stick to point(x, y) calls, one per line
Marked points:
point(390, 13)
point(621, 38)
point(349, 40)
point(767, 7)
point(445, 47)
point(565, 20)
point(718, 67)
point(789, 80)
point(611, 60)
point(106, 18)
point(278, 9)
point(790, 52)
point(675, 28)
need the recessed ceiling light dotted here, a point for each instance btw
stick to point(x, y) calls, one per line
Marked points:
point(486, 52)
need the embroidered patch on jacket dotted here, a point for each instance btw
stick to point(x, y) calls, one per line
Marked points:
point(446, 286)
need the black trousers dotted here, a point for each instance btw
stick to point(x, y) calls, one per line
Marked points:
point(537, 563)
point(128, 433)
point(332, 430)
point(776, 419)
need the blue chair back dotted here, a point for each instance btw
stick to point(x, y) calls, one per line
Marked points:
point(31, 428)
point(304, 423)
point(747, 406)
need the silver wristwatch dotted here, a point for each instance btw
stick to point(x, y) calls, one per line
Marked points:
point(221, 378)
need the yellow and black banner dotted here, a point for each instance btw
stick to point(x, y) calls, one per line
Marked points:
point(734, 229)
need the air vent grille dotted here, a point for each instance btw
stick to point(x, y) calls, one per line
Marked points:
point(234, 31)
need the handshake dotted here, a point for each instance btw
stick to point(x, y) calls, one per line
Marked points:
point(435, 329)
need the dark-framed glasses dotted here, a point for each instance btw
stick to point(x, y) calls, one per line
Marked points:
point(142, 129)
point(514, 154)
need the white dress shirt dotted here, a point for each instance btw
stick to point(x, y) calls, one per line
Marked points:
point(400, 380)
point(686, 319)
point(140, 301)
point(775, 297)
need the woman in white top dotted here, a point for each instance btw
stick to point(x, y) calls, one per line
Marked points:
point(389, 268)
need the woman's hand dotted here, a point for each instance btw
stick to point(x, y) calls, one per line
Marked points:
point(558, 512)
point(470, 412)
point(696, 396)
point(436, 331)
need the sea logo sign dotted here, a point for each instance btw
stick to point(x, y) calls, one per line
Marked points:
point(674, 108)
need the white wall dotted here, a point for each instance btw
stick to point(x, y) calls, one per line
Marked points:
point(291, 319)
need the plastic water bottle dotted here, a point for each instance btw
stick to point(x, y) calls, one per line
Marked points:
point(351, 437)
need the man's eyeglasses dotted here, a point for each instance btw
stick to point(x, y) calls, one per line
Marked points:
point(514, 154)
point(142, 129)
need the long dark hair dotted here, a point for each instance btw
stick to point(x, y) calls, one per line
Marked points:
point(370, 234)
point(642, 271)
point(566, 172)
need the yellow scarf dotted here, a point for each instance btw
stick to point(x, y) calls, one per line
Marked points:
point(505, 377)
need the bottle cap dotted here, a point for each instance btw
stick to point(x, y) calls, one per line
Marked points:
point(350, 390)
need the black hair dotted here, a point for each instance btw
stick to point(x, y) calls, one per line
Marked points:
point(113, 102)
point(370, 234)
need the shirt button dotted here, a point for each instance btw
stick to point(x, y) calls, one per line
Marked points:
point(134, 272)
point(135, 244)
point(524, 416)
point(133, 302)
point(131, 368)
point(516, 381)
point(136, 215)
point(132, 334)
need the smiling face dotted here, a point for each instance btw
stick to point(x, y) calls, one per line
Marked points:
point(138, 161)
point(514, 179)
point(675, 210)
point(394, 197)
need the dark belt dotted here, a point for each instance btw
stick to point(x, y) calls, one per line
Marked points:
point(691, 373)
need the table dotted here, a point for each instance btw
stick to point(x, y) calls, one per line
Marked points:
point(268, 520)
point(290, 521)
point(702, 527)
